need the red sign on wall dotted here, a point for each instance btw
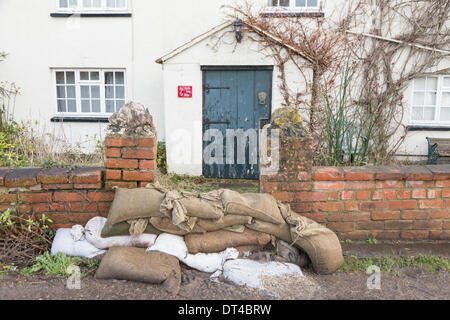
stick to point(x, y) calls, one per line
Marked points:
point(184, 91)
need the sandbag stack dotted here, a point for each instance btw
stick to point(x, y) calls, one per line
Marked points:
point(212, 222)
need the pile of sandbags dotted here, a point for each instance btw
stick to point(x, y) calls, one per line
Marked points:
point(204, 231)
point(215, 221)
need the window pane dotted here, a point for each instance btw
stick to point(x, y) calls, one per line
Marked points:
point(60, 78)
point(85, 92)
point(120, 92)
point(70, 77)
point(71, 92)
point(73, 4)
point(63, 3)
point(72, 105)
point(84, 76)
point(428, 113)
point(446, 82)
point(432, 83)
point(419, 99)
point(419, 84)
point(95, 92)
point(446, 99)
point(109, 78)
point(119, 104)
point(430, 99)
point(284, 3)
point(121, 4)
point(417, 113)
point(96, 106)
point(445, 114)
point(110, 106)
point(312, 3)
point(120, 78)
point(274, 3)
point(61, 105)
point(88, 4)
point(95, 76)
point(300, 3)
point(110, 3)
point(109, 92)
point(61, 92)
point(85, 106)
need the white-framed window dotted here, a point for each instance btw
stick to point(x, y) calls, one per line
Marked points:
point(294, 5)
point(89, 92)
point(431, 101)
point(92, 5)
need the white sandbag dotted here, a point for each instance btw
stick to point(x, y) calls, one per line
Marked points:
point(210, 262)
point(170, 244)
point(252, 273)
point(64, 243)
point(77, 233)
point(93, 231)
point(175, 246)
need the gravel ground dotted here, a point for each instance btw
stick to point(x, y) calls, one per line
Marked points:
point(407, 284)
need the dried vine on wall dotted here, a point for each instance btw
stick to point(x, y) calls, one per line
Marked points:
point(384, 43)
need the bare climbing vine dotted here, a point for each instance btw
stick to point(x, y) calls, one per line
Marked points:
point(373, 48)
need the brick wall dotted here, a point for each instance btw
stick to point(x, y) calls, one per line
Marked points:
point(388, 203)
point(391, 203)
point(74, 196)
point(130, 162)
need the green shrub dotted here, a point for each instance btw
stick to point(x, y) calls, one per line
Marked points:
point(162, 157)
point(58, 265)
point(52, 265)
point(8, 155)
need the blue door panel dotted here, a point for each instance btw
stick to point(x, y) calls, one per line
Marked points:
point(231, 102)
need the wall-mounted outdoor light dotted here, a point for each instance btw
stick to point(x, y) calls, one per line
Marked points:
point(238, 30)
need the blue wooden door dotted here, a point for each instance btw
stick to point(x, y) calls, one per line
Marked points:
point(236, 98)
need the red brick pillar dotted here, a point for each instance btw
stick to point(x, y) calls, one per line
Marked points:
point(294, 174)
point(130, 161)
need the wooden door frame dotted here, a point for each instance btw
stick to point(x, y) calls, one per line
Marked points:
point(206, 68)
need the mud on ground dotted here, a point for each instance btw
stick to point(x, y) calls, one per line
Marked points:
point(407, 284)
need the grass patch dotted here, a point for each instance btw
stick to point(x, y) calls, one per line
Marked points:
point(201, 184)
point(371, 240)
point(4, 270)
point(390, 264)
point(57, 265)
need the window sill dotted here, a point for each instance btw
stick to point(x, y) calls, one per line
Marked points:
point(294, 14)
point(428, 128)
point(90, 15)
point(80, 119)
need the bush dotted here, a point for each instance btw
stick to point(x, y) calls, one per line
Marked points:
point(22, 238)
point(161, 159)
point(8, 155)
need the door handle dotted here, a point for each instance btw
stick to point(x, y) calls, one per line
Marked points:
point(262, 98)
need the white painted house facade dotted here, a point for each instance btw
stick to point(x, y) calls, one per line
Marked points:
point(78, 61)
